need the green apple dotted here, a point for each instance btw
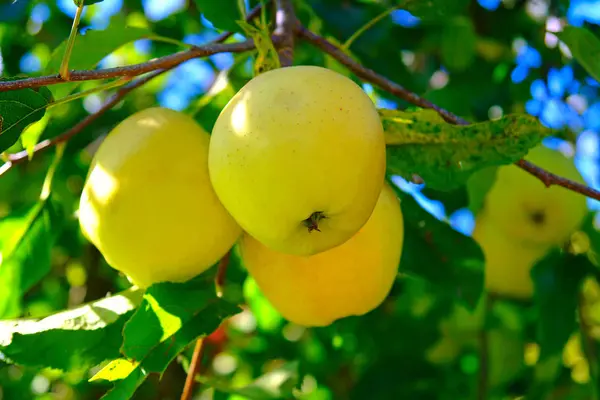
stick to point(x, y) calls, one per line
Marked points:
point(522, 207)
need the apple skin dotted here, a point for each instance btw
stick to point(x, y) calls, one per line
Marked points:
point(298, 158)
point(350, 279)
point(521, 206)
point(508, 261)
point(155, 216)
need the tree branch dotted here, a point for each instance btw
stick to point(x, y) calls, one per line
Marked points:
point(193, 370)
point(371, 76)
point(550, 179)
point(17, 158)
point(22, 156)
point(285, 20)
point(163, 63)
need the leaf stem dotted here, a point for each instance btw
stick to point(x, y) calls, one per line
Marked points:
point(193, 370)
point(64, 65)
point(47, 186)
point(169, 40)
point(366, 27)
point(242, 8)
point(75, 96)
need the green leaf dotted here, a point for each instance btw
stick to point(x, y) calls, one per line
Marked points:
point(268, 319)
point(26, 240)
point(91, 48)
point(19, 109)
point(458, 43)
point(452, 200)
point(274, 385)
point(70, 340)
point(433, 9)
point(557, 280)
point(585, 48)
point(478, 185)
point(438, 254)
point(31, 134)
point(166, 308)
point(446, 155)
point(160, 356)
point(223, 14)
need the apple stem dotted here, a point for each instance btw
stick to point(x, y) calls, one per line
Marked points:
point(312, 222)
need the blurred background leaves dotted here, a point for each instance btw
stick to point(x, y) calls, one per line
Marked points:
point(480, 59)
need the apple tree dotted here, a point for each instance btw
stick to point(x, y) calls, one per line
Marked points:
point(487, 113)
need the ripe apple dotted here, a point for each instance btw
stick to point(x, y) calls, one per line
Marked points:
point(350, 279)
point(524, 209)
point(297, 157)
point(148, 204)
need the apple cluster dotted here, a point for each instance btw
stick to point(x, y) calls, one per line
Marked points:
point(293, 175)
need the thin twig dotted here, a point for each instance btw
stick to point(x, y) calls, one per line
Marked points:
point(162, 63)
point(193, 370)
point(285, 21)
point(17, 158)
point(368, 25)
point(63, 70)
point(22, 156)
point(550, 179)
point(166, 62)
point(371, 76)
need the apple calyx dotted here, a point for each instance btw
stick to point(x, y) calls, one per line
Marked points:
point(312, 222)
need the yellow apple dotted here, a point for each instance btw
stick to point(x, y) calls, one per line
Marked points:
point(148, 204)
point(508, 261)
point(298, 158)
point(522, 207)
point(350, 279)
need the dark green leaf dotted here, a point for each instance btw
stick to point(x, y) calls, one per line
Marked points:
point(435, 252)
point(274, 385)
point(433, 9)
point(91, 48)
point(452, 200)
point(557, 280)
point(478, 186)
point(159, 357)
point(446, 155)
point(166, 307)
point(18, 109)
point(223, 14)
point(458, 43)
point(26, 240)
point(591, 229)
point(585, 48)
point(70, 340)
